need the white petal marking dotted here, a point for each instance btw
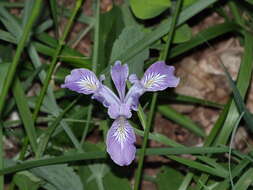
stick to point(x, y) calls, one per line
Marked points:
point(88, 83)
point(122, 132)
point(153, 79)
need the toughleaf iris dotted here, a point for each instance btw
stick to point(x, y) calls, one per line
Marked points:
point(120, 137)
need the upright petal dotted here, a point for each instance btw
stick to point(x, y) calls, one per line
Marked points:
point(82, 81)
point(159, 76)
point(120, 142)
point(133, 95)
point(119, 74)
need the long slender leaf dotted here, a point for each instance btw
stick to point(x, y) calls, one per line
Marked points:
point(101, 155)
point(186, 122)
point(25, 113)
point(243, 82)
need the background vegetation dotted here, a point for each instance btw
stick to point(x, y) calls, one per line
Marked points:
point(57, 136)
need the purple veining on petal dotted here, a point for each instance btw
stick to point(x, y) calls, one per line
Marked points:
point(159, 76)
point(119, 74)
point(120, 142)
point(82, 81)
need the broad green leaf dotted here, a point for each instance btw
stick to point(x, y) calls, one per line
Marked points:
point(59, 176)
point(27, 181)
point(169, 178)
point(146, 9)
point(111, 25)
point(129, 36)
point(182, 34)
point(203, 37)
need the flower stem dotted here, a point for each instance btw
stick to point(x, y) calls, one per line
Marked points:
point(54, 60)
point(148, 124)
point(95, 57)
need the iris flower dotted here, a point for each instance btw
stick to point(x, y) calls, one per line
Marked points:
point(120, 137)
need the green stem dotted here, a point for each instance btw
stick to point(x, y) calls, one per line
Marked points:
point(94, 66)
point(144, 144)
point(163, 56)
point(55, 58)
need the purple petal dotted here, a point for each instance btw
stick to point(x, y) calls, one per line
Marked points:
point(133, 95)
point(119, 74)
point(120, 142)
point(82, 81)
point(106, 97)
point(159, 76)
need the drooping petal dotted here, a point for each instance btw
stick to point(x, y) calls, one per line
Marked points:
point(120, 142)
point(119, 74)
point(106, 97)
point(159, 76)
point(82, 81)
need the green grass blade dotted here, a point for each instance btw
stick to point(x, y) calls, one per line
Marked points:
point(25, 113)
point(189, 99)
point(53, 7)
point(186, 182)
point(1, 155)
point(185, 121)
point(200, 166)
point(239, 101)
point(159, 138)
point(102, 155)
point(21, 45)
point(245, 180)
point(243, 81)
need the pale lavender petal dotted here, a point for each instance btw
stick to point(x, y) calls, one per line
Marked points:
point(133, 95)
point(120, 142)
point(133, 79)
point(119, 74)
point(106, 96)
point(159, 76)
point(82, 81)
point(115, 111)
